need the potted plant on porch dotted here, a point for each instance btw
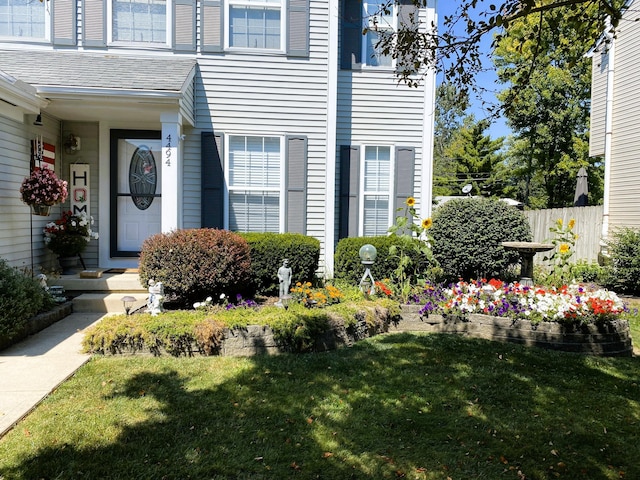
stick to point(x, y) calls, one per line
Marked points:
point(67, 237)
point(42, 189)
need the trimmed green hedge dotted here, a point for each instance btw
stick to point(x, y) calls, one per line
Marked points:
point(347, 261)
point(269, 249)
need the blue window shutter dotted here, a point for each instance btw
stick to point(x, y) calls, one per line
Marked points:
point(351, 41)
point(296, 188)
point(184, 22)
point(64, 22)
point(349, 191)
point(404, 178)
point(94, 23)
point(212, 26)
point(212, 210)
point(298, 28)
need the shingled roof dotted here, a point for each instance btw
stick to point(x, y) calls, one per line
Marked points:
point(97, 70)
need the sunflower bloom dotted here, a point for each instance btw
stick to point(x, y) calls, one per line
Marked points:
point(410, 201)
point(427, 223)
point(572, 223)
point(559, 222)
point(564, 248)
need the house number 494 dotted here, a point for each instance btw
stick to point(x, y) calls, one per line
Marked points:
point(167, 146)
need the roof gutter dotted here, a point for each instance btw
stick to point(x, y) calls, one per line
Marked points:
point(109, 94)
point(608, 130)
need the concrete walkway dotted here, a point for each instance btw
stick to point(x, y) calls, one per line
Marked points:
point(33, 368)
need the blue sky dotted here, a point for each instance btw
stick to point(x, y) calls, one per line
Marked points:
point(486, 79)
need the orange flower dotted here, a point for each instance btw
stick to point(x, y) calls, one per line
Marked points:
point(410, 201)
point(572, 223)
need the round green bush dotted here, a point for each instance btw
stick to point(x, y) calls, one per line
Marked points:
point(21, 297)
point(194, 264)
point(468, 233)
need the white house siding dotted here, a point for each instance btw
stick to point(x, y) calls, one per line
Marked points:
point(599, 64)
point(263, 95)
point(21, 233)
point(373, 108)
point(624, 199)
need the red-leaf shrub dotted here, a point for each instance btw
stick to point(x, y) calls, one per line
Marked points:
point(195, 264)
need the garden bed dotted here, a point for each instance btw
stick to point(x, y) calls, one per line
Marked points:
point(611, 338)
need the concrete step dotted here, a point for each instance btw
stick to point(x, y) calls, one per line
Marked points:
point(108, 282)
point(107, 302)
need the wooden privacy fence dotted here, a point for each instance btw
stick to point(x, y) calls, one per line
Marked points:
point(588, 228)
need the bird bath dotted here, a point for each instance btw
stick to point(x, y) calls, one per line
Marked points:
point(527, 250)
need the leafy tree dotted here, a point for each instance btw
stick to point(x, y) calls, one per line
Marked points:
point(550, 117)
point(450, 116)
point(457, 49)
point(477, 159)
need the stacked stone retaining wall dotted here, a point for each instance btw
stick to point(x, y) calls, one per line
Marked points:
point(608, 339)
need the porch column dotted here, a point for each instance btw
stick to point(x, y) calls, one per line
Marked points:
point(171, 218)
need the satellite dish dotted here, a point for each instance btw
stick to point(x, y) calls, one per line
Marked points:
point(467, 188)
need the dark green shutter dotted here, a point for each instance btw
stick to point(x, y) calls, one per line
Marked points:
point(212, 26)
point(212, 210)
point(296, 201)
point(64, 22)
point(94, 23)
point(351, 41)
point(184, 21)
point(298, 28)
point(349, 191)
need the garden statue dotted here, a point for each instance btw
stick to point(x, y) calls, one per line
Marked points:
point(42, 279)
point(156, 298)
point(284, 278)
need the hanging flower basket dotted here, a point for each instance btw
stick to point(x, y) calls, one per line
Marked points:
point(43, 189)
point(42, 210)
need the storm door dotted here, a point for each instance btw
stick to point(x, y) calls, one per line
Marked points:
point(135, 189)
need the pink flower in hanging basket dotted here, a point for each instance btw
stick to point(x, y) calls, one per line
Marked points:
point(43, 187)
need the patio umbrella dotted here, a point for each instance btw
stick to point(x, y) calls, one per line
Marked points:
point(582, 189)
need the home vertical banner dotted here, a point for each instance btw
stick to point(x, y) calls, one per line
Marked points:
point(79, 191)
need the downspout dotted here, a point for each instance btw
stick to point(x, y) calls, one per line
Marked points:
point(330, 147)
point(428, 123)
point(608, 133)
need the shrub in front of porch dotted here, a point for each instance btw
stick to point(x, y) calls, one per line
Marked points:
point(21, 297)
point(193, 264)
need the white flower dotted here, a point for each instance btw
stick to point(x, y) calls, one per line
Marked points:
point(222, 296)
point(209, 300)
point(197, 305)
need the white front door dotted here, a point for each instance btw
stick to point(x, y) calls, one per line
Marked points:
point(136, 201)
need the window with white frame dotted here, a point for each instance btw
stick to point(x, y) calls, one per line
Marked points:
point(378, 23)
point(24, 19)
point(139, 21)
point(255, 177)
point(376, 203)
point(255, 24)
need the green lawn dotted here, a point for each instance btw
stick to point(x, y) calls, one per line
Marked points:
point(395, 406)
